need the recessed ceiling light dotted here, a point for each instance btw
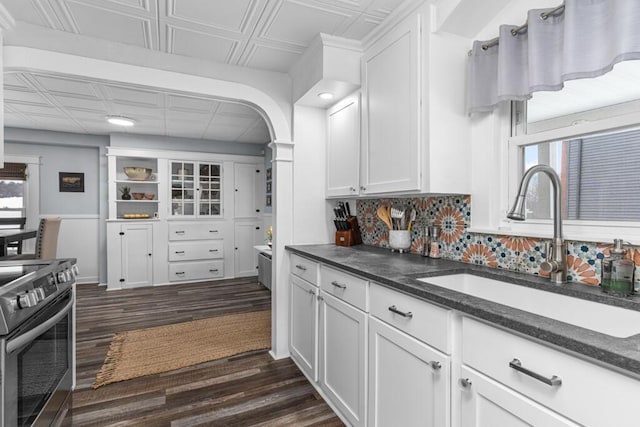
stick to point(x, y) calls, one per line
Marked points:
point(325, 95)
point(120, 121)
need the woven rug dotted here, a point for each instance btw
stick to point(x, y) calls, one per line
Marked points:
point(149, 351)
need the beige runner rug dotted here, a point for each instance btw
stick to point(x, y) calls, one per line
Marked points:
point(165, 348)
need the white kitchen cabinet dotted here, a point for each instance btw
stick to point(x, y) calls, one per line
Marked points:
point(484, 402)
point(342, 361)
point(196, 189)
point(391, 111)
point(248, 184)
point(130, 254)
point(408, 380)
point(303, 326)
point(137, 204)
point(343, 147)
point(567, 385)
point(247, 235)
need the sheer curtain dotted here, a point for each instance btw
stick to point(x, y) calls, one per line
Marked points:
point(585, 39)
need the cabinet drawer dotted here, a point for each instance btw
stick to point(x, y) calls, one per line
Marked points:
point(304, 268)
point(196, 270)
point(427, 322)
point(348, 288)
point(582, 394)
point(195, 230)
point(188, 251)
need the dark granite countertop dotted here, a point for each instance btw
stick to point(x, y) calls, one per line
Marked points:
point(400, 271)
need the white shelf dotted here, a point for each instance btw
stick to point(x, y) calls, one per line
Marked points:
point(137, 201)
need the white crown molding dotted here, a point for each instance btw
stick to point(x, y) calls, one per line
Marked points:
point(339, 42)
point(7, 22)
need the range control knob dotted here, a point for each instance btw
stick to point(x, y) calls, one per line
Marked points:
point(75, 269)
point(39, 294)
point(26, 300)
point(61, 277)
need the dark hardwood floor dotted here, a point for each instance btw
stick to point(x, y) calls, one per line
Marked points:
point(245, 390)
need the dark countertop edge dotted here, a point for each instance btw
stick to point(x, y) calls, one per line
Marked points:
point(605, 350)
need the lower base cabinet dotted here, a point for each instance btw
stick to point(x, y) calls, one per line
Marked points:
point(484, 402)
point(408, 380)
point(303, 326)
point(343, 367)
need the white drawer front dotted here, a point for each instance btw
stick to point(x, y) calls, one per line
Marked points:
point(588, 394)
point(196, 270)
point(348, 288)
point(304, 268)
point(195, 230)
point(189, 251)
point(427, 322)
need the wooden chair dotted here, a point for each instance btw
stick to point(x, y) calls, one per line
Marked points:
point(46, 241)
point(17, 222)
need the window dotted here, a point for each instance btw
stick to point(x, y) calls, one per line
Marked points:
point(589, 132)
point(12, 190)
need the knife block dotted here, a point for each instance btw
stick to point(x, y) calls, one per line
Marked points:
point(349, 237)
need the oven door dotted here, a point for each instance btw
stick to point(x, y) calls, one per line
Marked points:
point(37, 373)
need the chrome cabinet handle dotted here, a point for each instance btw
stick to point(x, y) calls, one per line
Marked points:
point(553, 381)
point(179, 232)
point(213, 231)
point(338, 285)
point(213, 250)
point(311, 291)
point(407, 314)
point(179, 252)
point(465, 382)
point(301, 267)
point(214, 270)
point(436, 366)
point(320, 298)
point(179, 273)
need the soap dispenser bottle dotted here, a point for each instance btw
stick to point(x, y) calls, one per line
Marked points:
point(617, 271)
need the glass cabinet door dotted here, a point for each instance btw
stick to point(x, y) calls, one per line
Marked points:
point(209, 189)
point(196, 189)
point(183, 193)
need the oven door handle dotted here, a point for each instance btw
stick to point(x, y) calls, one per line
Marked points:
point(34, 333)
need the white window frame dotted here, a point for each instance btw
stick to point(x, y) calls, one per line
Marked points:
point(577, 230)
point(31, 194)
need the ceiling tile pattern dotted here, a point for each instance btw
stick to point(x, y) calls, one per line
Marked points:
point(262, 34)
point(41, 101)
point(239, 32)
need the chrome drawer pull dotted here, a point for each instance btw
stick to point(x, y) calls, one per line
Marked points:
point(301, 267)
point(436, 366)
point(338, 285)
point(215, 270)
point(465, 382)
point(213, 250)
point(179, 252)
point(179, 231)
point(553, 381)
point(179, 273)
point(213, 231)
point(407, 314)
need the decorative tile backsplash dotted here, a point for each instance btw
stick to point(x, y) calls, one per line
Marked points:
point(453, 215)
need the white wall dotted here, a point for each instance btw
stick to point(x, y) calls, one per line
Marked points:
point(311, 212)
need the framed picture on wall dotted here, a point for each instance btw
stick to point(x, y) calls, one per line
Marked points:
point(71, 182)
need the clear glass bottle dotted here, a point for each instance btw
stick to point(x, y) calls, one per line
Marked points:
point(617, 271)
point(434, 246)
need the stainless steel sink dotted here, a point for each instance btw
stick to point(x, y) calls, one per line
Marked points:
point(606, 319)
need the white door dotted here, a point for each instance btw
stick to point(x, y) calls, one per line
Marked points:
point(343, 364)
point(137, 256)
point(245, 190)
point(303, 334)
point(247, 235)
point(343, 147)
point(485, 402)
point(408, 380)
point(391, 112)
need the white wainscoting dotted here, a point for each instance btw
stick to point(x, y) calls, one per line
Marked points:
point(79, 238)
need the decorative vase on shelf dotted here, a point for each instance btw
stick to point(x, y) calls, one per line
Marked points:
point(126, 193)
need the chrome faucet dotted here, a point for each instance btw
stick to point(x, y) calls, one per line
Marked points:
point(556, 262)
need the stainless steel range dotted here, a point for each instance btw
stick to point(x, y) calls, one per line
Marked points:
point(36, 341)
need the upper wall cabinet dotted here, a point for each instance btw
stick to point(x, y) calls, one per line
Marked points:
point(248, 194)
point(391, 113)
point(415, 134)
point(196, 189)
point(343, 147)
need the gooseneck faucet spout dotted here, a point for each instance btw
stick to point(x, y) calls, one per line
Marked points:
point(555, 263)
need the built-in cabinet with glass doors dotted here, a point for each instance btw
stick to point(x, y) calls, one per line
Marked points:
point(196, 189)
